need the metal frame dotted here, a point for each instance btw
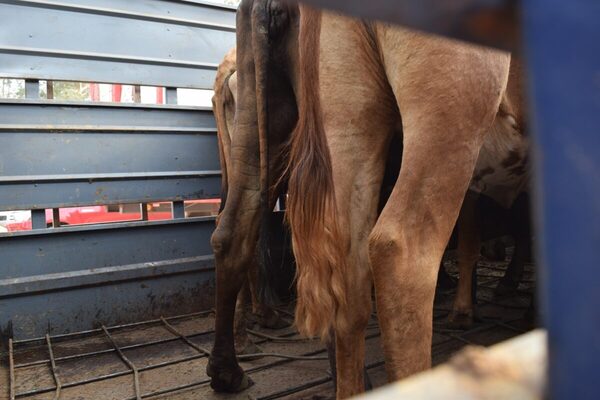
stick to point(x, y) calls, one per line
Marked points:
point(57, 154)
point(440, 312)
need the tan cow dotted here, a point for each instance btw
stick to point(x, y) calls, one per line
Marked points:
point(460, 117)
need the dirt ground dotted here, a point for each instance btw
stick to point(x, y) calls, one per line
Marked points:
point(168, 362)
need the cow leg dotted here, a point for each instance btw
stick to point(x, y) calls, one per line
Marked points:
point(469, 243)
point(360, 118)
point(234, 251)
point(448, 96)
point(357, 185)
point(267, 316)
point(521, 231)
point(243, 316)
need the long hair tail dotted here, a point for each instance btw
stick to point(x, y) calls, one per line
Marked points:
point(311, 210)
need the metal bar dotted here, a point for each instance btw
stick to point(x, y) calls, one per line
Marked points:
point(112, 328)
point(11, 366)
point(105, 177)
point(102, 128)
point(171, 97)
point(136, 379)
point(110, 226)
point(144, 211)
point(38, 219)
point(205, 381)
point(178, 210)
point(100, 352)
point(561, 39)
point(99, 104)
point(181, 336)
point(56, 217)
point(32, 89)
point(54, 369)
point(80, 55)
point(122, 14)
point(30, 285)
point(151, 367)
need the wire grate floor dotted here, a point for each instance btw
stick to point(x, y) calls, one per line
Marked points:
point(166, 357)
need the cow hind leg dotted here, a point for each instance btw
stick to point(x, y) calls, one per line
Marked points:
point(234, 245)
point(443, 132)
point(469, 242)
point(358, 153)
point(243, 318)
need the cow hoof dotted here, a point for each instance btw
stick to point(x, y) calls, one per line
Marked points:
point(250, 352)
point(460, 320)
point(273, 321)
point(227, 378)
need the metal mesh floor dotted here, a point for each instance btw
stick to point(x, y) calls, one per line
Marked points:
point(166, 357)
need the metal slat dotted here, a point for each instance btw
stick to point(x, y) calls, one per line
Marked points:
point(77, 194)
point(132, 245)
point(68, 116)
point(85, 271)
point(223, 19)
point(119, 44)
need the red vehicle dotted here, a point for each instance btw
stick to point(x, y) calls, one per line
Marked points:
point(119, 213)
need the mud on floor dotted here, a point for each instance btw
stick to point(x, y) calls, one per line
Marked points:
point(88, 366)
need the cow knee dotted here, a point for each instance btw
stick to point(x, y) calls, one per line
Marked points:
point(221, 241)
point(384, 243)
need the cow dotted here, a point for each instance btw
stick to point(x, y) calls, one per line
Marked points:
point(277, 81)
point(265, 115)
point(482, 218)
point(461, 114)
point(224, 100)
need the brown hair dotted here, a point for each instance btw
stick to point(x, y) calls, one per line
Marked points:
point(311, 206)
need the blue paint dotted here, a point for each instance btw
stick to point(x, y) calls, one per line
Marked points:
point(563, 52)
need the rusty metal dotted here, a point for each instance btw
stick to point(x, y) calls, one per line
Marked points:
point(181, 336)
point(54, 369)
point(136, 378)
point(11, 366)
point(111, 328)
point(448, 336)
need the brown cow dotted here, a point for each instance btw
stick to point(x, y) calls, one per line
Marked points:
point(459, 116)
point(265, 115)
point(224, 100)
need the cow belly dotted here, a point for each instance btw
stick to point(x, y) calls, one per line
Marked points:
point(502, 170)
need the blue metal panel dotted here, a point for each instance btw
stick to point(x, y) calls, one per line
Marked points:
point(63, 115)
point(78, 193)
point(69, 154)
point(564, 59)
point(161, 43)
point(75, 248)
point(55, 264)
point(116, 303)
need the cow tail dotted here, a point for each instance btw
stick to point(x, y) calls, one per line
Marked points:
point(311, 210)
